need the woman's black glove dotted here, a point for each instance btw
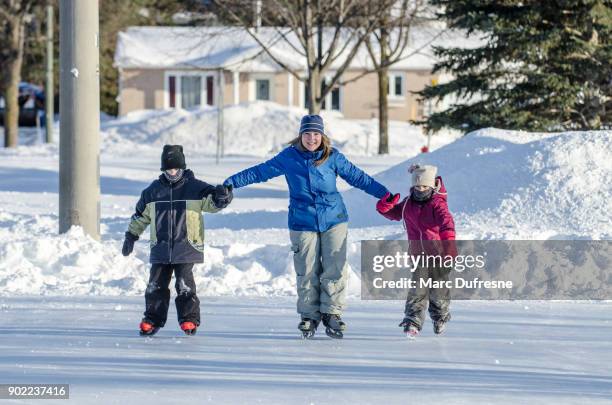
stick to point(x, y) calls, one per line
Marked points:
point(128, 243)
point(223, 196)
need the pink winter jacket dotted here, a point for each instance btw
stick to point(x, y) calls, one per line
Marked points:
point(429, 221)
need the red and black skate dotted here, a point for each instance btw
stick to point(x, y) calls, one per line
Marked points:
point(189, 328)
point(147, 328)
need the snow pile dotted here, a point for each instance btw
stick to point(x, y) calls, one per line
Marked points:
point(512, 185)
point(257, 129)
point(36, 260)
point(501, 185)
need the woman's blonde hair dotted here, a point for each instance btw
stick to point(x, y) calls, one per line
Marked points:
point(325, 147)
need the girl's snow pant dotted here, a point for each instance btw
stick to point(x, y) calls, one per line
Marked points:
point(321, 271)
point(157, 295)
point(419, 297)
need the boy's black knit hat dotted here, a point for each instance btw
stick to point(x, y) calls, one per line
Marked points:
point(173, 158)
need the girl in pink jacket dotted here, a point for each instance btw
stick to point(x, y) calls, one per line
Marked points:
point(426, 218)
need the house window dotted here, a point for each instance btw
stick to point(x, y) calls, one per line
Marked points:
point(335, 99)
point(210, 90)
point(172, 91)
point(191, 91)
point(395, 87)
point(331, 102)
point(262, 89)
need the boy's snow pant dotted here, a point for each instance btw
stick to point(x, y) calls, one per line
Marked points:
point(419, 297)
point(157, 295)
point(321, 271)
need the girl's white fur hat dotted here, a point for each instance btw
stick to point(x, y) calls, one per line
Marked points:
point(423, 175)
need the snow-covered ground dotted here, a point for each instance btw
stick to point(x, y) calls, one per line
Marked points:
point(80, 300)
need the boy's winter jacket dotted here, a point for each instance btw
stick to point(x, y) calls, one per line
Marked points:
point(315, 203)
point(174, 213)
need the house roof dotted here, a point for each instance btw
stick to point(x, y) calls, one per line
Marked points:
point(232, 48)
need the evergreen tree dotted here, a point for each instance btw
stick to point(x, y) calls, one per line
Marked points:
point(117, 15)
point(541, 66)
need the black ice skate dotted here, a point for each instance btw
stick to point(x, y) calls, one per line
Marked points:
point(308, 327)
point(334, 326)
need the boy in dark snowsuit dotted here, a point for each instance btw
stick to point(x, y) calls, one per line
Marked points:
point(172, 205)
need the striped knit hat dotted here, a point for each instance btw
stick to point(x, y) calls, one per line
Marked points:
point(312, 123)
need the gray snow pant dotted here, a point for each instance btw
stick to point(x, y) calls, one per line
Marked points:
point(321, 270)
point(418, 298)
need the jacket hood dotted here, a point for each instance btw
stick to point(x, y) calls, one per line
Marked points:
point(440, 191)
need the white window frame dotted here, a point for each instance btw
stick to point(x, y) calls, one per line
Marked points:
point(328, 98)
point(253, 77)
point(180, 73)
point(391, 93)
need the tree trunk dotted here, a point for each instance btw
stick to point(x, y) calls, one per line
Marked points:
point(383, 102)
point(313, 81)
point(11, 85)
point(383, 112)
point(314, 92)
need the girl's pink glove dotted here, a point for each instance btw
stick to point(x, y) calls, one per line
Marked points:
point(386, 203)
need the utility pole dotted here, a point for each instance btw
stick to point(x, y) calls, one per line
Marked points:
point(220, 125)
point(257, 14)
point(49, 96)
point(79, 197)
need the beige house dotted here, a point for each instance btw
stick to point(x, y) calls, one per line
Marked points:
point(194, 67)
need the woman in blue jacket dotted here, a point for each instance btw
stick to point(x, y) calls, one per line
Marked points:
point(317, 220)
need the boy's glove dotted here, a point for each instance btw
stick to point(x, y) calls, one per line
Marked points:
point(128, 243)
point(386, 203)
point(223, 196)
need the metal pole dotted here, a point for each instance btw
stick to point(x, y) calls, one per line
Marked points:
point(221, 84)
point(49, 96)
point(79, 197)
point(257, 14)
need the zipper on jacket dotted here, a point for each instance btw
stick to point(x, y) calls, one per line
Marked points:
point(170, 220)
point(404, 222)
point(421, 237)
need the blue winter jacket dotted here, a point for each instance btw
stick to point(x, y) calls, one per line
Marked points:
point(315, 203)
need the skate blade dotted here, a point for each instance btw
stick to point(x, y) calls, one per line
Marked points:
point(190, 332)
point(151, 333)
point(308, 335)
point(411, 336)
point(334, 334)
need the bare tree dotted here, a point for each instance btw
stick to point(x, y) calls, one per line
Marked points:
point(325, 33)
point(386, 46)
point(14, 16)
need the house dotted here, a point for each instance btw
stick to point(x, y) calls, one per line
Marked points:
point(193, 67)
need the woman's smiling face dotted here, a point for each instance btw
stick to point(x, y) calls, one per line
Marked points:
point(311, 140)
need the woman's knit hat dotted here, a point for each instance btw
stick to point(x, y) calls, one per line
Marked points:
point(312, 123)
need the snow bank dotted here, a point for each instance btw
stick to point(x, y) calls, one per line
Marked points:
point(257, 129)
point(516, 185)
point(501, 185)
point(34, 259)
